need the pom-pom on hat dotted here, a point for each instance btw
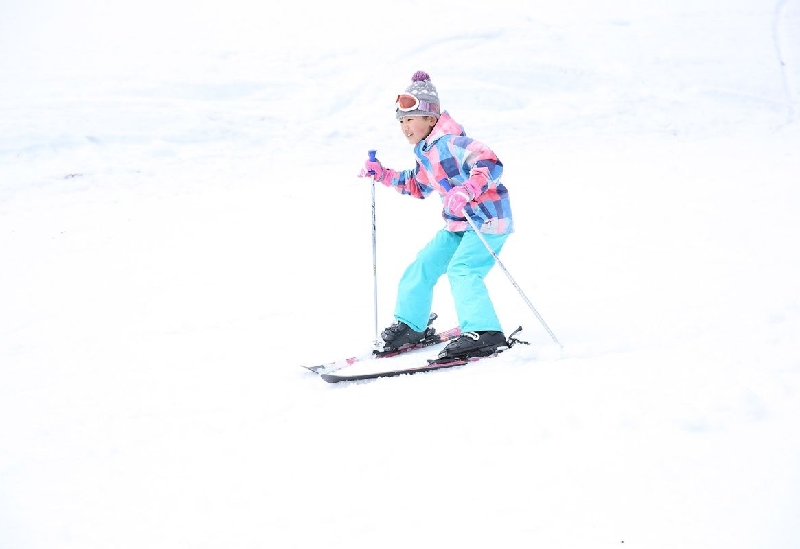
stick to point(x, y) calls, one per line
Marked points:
point(426, 94)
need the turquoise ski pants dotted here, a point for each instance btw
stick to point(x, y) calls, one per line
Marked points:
point(465, 259)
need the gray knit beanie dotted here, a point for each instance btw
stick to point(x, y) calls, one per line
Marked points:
point(422, 88)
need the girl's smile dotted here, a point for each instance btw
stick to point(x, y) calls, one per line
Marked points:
point(417, 128)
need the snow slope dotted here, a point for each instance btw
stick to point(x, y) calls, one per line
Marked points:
point(181, 226)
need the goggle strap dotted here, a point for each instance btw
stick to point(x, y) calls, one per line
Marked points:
point(428, 106)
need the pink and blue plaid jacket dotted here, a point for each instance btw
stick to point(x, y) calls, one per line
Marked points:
point(446, 158)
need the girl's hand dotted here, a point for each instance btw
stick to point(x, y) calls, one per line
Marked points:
point(373, 169)
point(455, 200)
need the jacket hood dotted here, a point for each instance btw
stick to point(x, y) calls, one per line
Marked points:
point(445, 126)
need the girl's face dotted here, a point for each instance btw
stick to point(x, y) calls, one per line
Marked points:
point(417, 128)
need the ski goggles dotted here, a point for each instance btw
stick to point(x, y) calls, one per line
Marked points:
point(407, 102)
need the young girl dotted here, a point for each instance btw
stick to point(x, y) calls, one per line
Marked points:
point(466, 174)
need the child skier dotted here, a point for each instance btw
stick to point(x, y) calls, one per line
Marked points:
point(466, 174)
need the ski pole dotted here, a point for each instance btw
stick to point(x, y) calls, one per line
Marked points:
point(447, 186)
point(371, 155)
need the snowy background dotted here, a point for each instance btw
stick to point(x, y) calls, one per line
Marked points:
point(181, 227)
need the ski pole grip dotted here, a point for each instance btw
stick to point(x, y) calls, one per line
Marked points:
point(371, 155)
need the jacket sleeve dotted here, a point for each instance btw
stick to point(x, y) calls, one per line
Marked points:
point(407, 182)
point(479, 163)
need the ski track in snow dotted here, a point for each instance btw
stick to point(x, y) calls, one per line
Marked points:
point(788, 88)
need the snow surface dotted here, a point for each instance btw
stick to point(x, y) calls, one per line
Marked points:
point(181, 226)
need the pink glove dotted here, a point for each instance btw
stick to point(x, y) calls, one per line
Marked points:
point(374, 166)
point(456, 198)
point(474, 185)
